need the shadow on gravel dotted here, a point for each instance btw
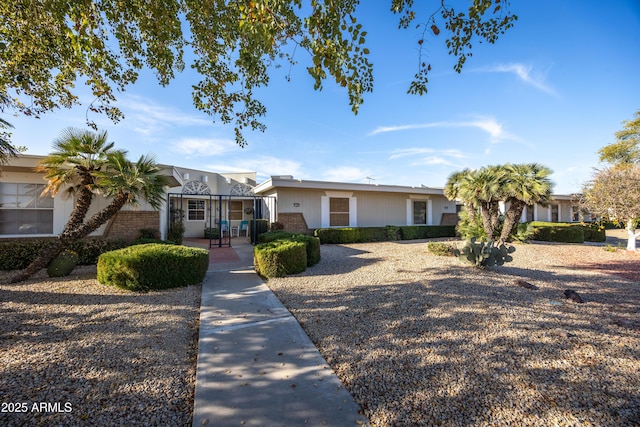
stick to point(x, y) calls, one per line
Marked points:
point(458, 349)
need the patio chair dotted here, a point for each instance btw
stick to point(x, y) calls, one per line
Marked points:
point(244, 226)
point(224, 227)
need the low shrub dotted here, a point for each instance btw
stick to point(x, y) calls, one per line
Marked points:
point(312, 244)
point(566, 233)
point(280, 258)
point(482, 254)
point(145, 241)
point(257, 226)
point(153, 266)
point(441, 248)
point(383, 234)
point(63, 264)
point(276, 226)
point(18, 254)
point(211, 233)
point(149, 233)
point(412, 232)
point(176, 232)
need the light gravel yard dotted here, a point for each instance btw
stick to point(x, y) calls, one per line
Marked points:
point(88, 354)
point(418, 340)
point(423, 340)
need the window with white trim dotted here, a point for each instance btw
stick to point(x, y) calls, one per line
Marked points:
point(195, 210)
point(419, 212)
point(339, 211)
point(235, 209)
point(23, 210)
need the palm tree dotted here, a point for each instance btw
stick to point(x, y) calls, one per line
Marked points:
point(526, 184)
point(86, 164)
point(6, 149)
point(452, 191)
point(484, 188)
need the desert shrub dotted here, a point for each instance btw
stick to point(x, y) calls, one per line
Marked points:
point(271, 236)
point(280, 258)
point(594, 232)
point(441, 248)
point(211, 233)
point(393, 233)
point(18, 254)
point(312, 244)
point(90, 249)
point(468, 229)
point(276, 226)
point(145, 241)
point(413, 232)
point(258, 226)
point(176, 232)
point(557, 232)
point(153, 266)
point(482, 254)
point(63, 264)
point(149, 233)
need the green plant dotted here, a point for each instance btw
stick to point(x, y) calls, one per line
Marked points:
point(153, 266)
point(63, 264)
point(149, 233)
point(257, 226)
point(276, 226)
point(211, 233)
point(441, 248)
point(280, 258)
point(482, 254)
point(145, 241)
point(176, 232)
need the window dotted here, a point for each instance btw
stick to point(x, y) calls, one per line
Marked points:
point(554, 213)
point(195, 210)
point(339, 211)
point(235, 210)
point(23, 210)
point(530, 213)
point(419, 212)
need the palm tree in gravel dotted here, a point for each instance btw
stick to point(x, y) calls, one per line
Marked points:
point(86, 165)
point(527, 184)
point(455, 182)
point(484, 188)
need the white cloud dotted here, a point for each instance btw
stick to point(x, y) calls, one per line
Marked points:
point(191, 147)
point(496, 131)
point(265, 166)
point(346, 174)
point(524, 73)
point(413, 152)
point(149, 117)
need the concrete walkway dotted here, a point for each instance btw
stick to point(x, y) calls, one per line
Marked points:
point(256, 366)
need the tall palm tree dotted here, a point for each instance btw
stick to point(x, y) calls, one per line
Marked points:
point(452, 191)
point(484, 188)
point(89, 166)
point(77, 158)
point(6, 149)
point(526, 184)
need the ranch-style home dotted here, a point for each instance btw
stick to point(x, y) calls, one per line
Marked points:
point(228, 201)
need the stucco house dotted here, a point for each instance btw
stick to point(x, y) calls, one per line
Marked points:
point(203, 199)
point(318, 204)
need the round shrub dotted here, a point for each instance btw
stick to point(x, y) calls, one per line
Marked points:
point(279, 258)
point(153, 266)
point(63, 264)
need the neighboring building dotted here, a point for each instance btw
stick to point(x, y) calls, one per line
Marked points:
point(204, 199)
point(320, 204)
point(194, 193)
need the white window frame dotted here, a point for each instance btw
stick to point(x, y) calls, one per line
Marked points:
point(38, 204)
point(325, 208)
point(189, 210)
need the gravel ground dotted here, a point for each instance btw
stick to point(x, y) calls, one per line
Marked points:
point(77, 353)
point(423, 340)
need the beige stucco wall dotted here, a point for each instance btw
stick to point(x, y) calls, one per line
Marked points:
point(308, 203)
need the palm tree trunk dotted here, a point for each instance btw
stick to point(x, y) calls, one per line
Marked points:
point(485, 214)
point(512, 218)
point(70, 235)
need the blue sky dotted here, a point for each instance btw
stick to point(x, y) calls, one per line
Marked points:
point(552, 90)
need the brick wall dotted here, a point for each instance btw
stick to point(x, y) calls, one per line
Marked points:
point(293, 222)
point(126, 225)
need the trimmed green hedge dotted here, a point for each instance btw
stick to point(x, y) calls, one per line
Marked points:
point(280, 258)
point(19, 253)
point(312, 244)
point(383, 234)
point(153, 266)
point(566, 232)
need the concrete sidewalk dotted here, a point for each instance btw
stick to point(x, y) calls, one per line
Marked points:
point(256, 366)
